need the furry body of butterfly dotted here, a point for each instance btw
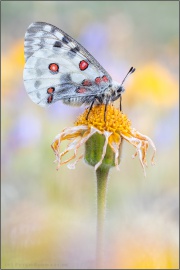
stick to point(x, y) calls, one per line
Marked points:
point(59, 68)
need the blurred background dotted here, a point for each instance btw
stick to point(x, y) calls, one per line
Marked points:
point(49, 216)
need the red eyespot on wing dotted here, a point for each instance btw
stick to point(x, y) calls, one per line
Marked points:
point(104, 78)
point(86, 83)
point(81, 90)
point(50, 99)
point(98, 80)
point(53, 67)
point(50, 90)
point(83, 65)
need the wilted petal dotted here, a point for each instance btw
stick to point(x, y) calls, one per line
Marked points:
point(141, 142)
point(116, 127)
point(107, 135)
point(68, 133)
point(114, 142)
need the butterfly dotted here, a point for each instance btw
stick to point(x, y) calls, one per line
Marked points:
point(59, 68)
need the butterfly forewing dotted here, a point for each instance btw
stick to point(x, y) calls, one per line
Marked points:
point(56, 61)
point(43, 35)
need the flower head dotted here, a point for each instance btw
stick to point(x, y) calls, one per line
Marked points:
point(115, 127)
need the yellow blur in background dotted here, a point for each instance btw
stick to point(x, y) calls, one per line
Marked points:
point(49, 216)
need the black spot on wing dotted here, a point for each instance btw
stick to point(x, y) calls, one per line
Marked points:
point(65, 78)
point(37, 84)
point(57, 44)
point(65, 40)
point(73, 51)
point(39, 72)
point(77, 49)
point(53, 30)
point(38, 95)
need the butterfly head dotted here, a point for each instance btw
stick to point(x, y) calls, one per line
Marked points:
point(120, 89)
point(117, 89)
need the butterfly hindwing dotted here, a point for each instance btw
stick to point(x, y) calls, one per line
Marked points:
point(59, 68)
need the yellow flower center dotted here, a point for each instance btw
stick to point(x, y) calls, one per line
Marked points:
point(115, 120)
point(115, 128)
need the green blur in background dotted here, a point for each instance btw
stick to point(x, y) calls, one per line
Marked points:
point(49, 216)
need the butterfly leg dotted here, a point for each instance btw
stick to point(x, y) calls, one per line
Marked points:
point(90, 108)
point(120, 103)
point(107, 101)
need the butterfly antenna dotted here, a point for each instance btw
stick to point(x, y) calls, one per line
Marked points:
point(129, 72)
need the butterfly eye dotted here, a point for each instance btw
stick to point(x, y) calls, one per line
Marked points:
point(120, 89)
point(53, 67)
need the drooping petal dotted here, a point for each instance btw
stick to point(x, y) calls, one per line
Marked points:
point(141, 142)
point(74, 133)
point(107, 135)
point(147, 139)
point(114, 143)
point(72, 166)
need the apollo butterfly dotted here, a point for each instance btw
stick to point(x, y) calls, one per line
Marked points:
point(59, 68)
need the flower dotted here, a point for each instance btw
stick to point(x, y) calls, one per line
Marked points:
point(115, 127)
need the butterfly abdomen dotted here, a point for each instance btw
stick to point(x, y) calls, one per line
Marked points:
point(74, 101)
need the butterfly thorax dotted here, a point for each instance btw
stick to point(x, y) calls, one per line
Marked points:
point(112, 93)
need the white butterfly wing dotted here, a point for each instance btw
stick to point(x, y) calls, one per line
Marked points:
point(76, 71)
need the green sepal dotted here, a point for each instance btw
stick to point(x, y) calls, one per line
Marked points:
point(94, 149)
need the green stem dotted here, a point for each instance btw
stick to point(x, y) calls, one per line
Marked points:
point(93, 153)
point(102, 179)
